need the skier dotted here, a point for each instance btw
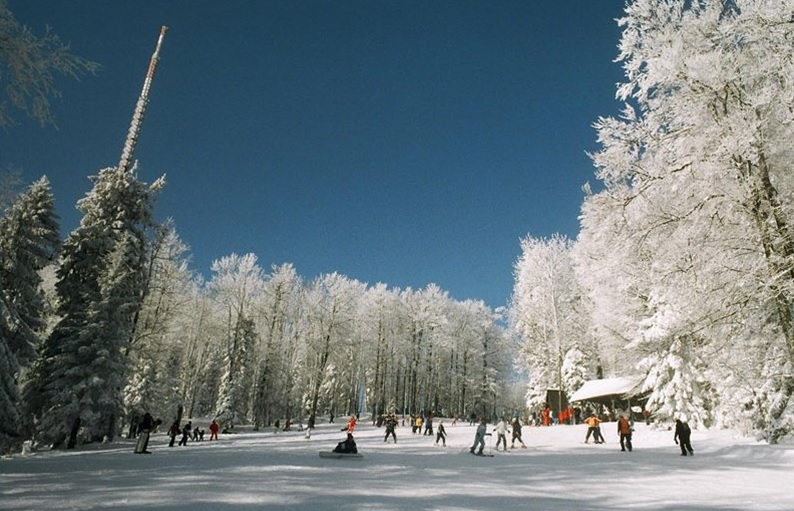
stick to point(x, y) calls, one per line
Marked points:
point(391, 424)
point(173, 431)
point(441, 434)
point(501, 430)
point(479, 437)
point(347, 446)
point(681, 437)
point(351, 424)
point(624, 431)
point(213, 430)
point(186, 433)
point(516, 424)
point(429, 424)
point(594, 429)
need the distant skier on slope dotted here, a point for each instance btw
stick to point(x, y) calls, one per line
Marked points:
point(516, 425)
point(479, 437)
point(682, 436)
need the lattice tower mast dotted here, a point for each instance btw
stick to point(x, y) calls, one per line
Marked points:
point(140, 108)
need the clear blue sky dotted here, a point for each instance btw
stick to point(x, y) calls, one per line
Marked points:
point(404, 142)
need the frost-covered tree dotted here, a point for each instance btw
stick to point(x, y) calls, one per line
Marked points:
point(237, 283)
point(575, 369)
point(698, 168)
point(547, 311)
point(29, 240)
point(29, 65)
point(276, 314)
point(76, 389)
point(155, 350)
point(331, 311)
point(11, 406)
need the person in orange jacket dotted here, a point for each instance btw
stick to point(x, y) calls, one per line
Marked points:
point(593, 428)
point(351, 424)
point(624, 431)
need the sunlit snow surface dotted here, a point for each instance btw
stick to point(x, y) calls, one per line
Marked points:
point(264, 470)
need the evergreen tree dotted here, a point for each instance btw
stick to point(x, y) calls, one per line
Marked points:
point(79, 379)
point(29, 240)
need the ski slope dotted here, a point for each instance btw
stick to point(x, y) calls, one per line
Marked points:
point(274, 471)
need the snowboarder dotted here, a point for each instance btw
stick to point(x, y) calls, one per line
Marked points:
point(516, 425)
point(479, 437)
point(213, 430)
point(624, 432)
point(347, 446)
point(441, 434)
point(501, 430)
point(144, 428)
point(391, 424)
point(681, 437)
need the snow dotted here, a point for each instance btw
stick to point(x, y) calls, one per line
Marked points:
point(265, 470)
point(606, 387)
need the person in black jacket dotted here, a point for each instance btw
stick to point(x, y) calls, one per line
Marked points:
point(186, 430)
point(681, 437)
point(347, 446)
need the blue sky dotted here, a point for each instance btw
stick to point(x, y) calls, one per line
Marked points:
point(404, 142)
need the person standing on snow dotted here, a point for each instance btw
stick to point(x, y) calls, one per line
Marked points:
point(185, 433)
point(351, 424)
point(681, 437)
point(391, 425)
point(479, 437)
point(144, 429)
point(624, 431)
point(173, 431)
point(501, 430)
point(441, 433)
point(593, 428)
point(516, 425)
point(213, 430)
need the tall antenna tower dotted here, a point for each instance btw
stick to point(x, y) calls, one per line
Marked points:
point(140, 108)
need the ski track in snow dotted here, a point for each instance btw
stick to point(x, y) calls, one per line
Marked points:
point(267, 470)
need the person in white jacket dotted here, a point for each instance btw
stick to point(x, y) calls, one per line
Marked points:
point(501, 432)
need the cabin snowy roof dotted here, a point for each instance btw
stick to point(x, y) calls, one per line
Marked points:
point(607, 387)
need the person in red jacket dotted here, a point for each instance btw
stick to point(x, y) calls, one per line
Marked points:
point(624, 430)
point(351, 424)
point(213, 430)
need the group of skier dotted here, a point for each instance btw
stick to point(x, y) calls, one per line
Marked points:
point(501, 431)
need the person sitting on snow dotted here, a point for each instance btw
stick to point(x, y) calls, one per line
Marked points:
point(347, 446)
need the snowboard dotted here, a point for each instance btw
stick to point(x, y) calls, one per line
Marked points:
point(338, 455)
point(142, 440)
point(485, 455)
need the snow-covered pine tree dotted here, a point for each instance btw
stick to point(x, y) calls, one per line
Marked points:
point(11, 409)
point(29, 240)
point(81, 373)
point(575, 370)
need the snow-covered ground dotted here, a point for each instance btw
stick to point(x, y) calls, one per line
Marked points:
point(255, 471)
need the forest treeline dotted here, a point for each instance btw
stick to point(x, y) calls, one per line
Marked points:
point(122, 326)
